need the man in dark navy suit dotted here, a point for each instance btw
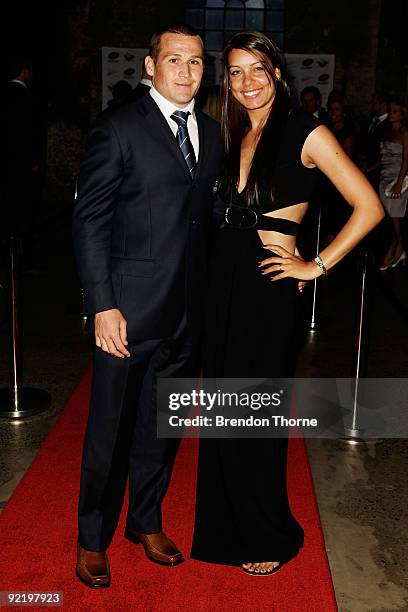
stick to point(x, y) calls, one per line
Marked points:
point(141, 230)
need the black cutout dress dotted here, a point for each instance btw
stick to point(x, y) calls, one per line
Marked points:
point(242, 508)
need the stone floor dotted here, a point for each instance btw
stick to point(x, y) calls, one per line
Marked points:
point(361, 489)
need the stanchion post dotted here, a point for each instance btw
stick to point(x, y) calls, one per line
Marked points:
point(18, 401)
point(354, 433)
point(16, 368)
point(313, 323)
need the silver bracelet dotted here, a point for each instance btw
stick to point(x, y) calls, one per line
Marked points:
point(318, 261)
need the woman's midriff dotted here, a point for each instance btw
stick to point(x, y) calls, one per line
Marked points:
point(287, 242)
point(295, 213)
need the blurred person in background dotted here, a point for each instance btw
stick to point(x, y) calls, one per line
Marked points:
point(394, 180)
point(24, 165)
point(340, 123)
point(144, 85)
point(311, 99)
point(371, 136)
point(120, 94)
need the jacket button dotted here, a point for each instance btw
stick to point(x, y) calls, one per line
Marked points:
point(193, 222)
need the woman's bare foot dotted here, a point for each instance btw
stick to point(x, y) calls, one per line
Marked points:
point(261, 568)
point(394, 251)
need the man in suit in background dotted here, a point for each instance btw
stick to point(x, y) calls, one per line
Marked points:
point(144, 85)
point(371, 136)
point(311, 99)
point(141, 230)
point(24, 166)
point(120, 94)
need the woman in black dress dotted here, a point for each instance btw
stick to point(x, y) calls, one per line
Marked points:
point(243, 516)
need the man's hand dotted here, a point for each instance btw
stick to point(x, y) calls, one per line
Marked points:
point(110, 333)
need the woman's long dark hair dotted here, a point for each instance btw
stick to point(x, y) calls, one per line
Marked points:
point(235, 120)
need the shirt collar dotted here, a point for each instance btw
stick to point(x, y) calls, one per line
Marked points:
point(20, 82)
point(380, 118)
point(146, 82)
point(166, 107)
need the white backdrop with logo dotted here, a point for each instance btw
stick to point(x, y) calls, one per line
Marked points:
point(120, 63)
point(306, 70)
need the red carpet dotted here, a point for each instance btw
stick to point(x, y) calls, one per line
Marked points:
point(38, 541)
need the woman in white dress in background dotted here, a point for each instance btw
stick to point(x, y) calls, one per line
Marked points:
point(394, 180)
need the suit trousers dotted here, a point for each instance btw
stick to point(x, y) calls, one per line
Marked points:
point(121, 438)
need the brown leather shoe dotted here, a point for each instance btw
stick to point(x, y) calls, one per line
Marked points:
point(157, 546)
point(92, 568)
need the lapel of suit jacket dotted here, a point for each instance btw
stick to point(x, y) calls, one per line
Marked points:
point(203, 147)
point(159, 129)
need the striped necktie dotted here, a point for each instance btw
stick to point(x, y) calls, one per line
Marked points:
point(183, 139)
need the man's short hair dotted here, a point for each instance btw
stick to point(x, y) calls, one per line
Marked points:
point(383, 96)
point(178, 29)
point(310, 89)
point(16, 65)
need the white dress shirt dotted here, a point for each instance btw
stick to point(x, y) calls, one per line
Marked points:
point(167, 108)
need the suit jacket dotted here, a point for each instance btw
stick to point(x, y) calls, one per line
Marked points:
point(141, 226)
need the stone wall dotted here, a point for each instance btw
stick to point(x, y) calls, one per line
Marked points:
point(349, 29)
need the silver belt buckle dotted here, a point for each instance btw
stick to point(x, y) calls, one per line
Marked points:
point(243, 221)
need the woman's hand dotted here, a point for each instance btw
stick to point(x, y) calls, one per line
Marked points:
point(288, 265)
point(396, 190)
